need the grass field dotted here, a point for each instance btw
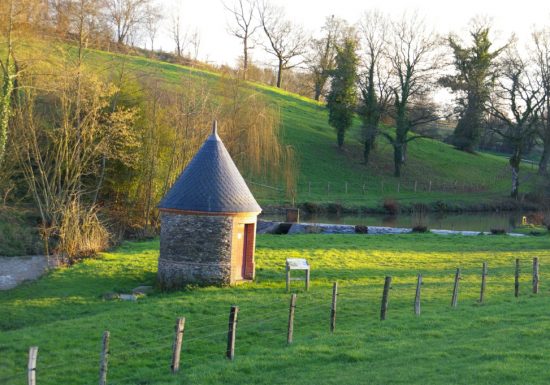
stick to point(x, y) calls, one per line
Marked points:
point(500, 342)
point(324, 171)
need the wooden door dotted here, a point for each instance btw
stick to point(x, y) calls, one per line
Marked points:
point(248, 251)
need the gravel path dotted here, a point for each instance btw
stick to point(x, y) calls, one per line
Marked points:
point(15, 270)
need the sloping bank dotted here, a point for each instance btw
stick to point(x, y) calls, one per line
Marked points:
point(269, 227)
point(393, 206)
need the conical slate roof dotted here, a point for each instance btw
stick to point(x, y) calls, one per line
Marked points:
point(211, 183)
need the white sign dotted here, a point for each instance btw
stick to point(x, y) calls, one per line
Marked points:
point(297, 264)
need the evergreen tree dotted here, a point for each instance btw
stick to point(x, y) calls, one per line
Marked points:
point(342, 99)
point(473, 81)
point(371, 112)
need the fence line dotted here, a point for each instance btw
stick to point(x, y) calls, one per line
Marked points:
point(308, 305)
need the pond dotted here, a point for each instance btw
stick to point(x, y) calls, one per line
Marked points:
point(445, 221)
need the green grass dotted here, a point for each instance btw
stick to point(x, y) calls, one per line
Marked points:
point(456, 177)
point(499, 342)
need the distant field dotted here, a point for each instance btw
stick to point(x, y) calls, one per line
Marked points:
point(499, 342)
point(434, 171)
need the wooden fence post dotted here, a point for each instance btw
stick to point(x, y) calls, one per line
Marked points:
point(398, 187)
point(104, 358)
point(516, 279)
point(417, 296)
point(31, 367)
point(287, 278)
point(333, 307)
point(535, 275)
point(483, 282)
point(232, 331)
point(176, 347)
point(430, 188)
point(454, 300)
point(415, 185)
point(385, 294)
point(291, 310)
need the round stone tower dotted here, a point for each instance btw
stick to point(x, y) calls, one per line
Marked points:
point(208, 222)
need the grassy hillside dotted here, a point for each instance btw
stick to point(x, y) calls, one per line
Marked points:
point(439, 172)
point(499, 342)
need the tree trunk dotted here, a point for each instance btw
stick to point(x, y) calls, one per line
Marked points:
point(369, 143)
point(543, 164)
point(340, 135)
point(280, 74)
point(515, 161)
point(366, 151)
point(545, 136)
point(397, 159)
point(401, 131)
point(318, 88)
point(245, 58)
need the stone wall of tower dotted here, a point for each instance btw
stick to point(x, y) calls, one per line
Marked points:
point(194, 249)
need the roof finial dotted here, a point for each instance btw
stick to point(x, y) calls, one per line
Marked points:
point(215, 127)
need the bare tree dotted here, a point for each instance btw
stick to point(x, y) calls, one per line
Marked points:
point(517, 103)
point(153, 16)
point(195, 42)
point(322, 53)
point(285, 40)
point(541, 52)
point(243, 26)
point(178, 36)
point(375, 92)
point(413, 56)
point(126, 15)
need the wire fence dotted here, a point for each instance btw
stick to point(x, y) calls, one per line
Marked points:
point(402, 189)
point(273, 319)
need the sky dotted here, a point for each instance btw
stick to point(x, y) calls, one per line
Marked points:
point(217, 46)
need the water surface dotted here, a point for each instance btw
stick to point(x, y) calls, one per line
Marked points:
point(446, 221)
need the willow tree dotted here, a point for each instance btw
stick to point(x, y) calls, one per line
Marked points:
point(472, 82)
point(342, 98)
point(250, 127)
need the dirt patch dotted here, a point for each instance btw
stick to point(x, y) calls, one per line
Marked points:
point(15, 270)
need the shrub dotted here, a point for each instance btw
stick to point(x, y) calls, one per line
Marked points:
point(391, 206)
point(440, 206)
point(419, 218)
point(334, 208)
point(537, 197)
point(361, 229)
point(535, 218)
point(310, 207)
point(81, 234)
point(420, 229)
point(498, 231)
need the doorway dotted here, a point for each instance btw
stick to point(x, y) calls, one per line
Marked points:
point(248, 251)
